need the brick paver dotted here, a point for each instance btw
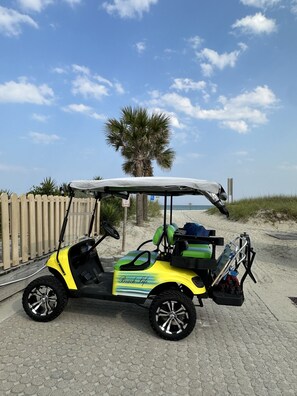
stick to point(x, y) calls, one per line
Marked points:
point(107, 348)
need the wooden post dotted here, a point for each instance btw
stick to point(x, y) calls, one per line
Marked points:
point(5, 231)
point(39, 236)
point(125, 205)
point(230, 189)
point(32, 226)
point(124, 229)
point(45, 223)
point(15, 212)
point(24, 228)
point(51, 224)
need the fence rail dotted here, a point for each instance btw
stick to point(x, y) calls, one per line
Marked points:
point(30, 225)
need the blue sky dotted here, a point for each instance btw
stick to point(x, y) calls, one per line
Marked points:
point(224, 71)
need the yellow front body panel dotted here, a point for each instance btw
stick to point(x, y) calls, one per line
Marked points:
point(141, 283)
point(63, 259)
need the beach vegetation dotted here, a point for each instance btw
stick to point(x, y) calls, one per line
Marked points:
point(267, 209)
point(48, 186)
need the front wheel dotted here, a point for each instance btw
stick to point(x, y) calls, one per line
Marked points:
point(44, 298)
point(172, 315)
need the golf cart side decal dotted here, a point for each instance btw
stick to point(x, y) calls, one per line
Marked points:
point(134, 284)
point(137, 279)
point(133, 292)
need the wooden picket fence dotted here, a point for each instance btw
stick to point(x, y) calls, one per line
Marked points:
point(30, 225)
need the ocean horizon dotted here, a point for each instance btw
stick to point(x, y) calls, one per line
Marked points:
point(190, 207)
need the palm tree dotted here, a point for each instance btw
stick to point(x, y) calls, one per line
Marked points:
point(141, 138)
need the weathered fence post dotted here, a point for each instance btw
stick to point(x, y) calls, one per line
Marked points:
point(5, 231)
point(15, 218)
point(24, 227)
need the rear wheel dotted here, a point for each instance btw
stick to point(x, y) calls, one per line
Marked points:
point(172, 315)
point(44, 298)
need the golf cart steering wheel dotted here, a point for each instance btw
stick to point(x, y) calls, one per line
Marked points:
point(110, 230)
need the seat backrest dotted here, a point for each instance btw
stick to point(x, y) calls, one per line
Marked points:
point(170, 230)
point(158, 235)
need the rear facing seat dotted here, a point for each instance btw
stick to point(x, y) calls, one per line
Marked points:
point(194, 251)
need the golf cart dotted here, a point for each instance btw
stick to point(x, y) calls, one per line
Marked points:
point(183, 264)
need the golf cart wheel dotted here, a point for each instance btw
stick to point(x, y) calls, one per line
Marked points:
point(172, 315)
point(44, 298)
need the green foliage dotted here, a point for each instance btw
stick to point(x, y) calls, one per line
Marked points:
point(141, 138)
point(111, 210)
point(154, 209)
point(269, 209)
point(47, 187)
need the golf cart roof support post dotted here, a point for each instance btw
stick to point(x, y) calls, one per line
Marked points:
point(171, 206)
point(93, 217)
point(63, 229)
point(164, 224)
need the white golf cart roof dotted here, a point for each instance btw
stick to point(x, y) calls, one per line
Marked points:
point(151, 185)
point(166, 186)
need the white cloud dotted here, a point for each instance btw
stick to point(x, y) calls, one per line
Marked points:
point(81, 69)
point(294, 7)
point(288, 167)
point(255, 24)
point(11, 22)
point(83, 109)
point(40, 5)
point(212, 59)
point(140, 47)
point(186, 84)
point(179, 160)
point(261, 96)
point(260, 3)
point(34, 5)
point(83, 85)
point(238, 126)
point(239, 113)
point(25, 92)
point(128, 8)
point(39, 117)
point(12, 168)
point(119, 88)
point(195, 42)
point(59, 70)
point(93, 85)
point(43, 138)
point(73, 3)
point(206, 69)
point(241, 153)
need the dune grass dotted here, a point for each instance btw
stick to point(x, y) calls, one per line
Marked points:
point(269, 209)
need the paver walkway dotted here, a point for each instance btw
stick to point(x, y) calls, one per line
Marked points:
point(107, 348)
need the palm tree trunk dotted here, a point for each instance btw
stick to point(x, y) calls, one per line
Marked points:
point(145, 207)
point(139, 210)
point(139, 199)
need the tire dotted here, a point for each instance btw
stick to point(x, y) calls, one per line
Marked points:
point(172, 315)
point(44, 298)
